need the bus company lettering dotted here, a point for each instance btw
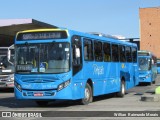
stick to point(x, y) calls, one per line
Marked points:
point(98, 70)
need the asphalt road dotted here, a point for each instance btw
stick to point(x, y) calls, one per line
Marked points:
point(131, 102)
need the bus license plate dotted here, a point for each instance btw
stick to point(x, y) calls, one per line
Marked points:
point(38, 94)
point(10, 85)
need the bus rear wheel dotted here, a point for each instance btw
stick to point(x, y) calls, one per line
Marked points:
point(42, 103)
point(88, 95)
point(153, 82)
point(122, 91)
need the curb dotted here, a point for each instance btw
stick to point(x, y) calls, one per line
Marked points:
point(150, 98)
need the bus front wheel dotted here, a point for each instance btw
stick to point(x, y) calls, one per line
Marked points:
point(88, 96)
point(122, 91)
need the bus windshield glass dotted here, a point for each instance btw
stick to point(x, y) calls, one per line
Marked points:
point(144, 64)
point(158, 64)
point(5, 66)
point(43, 58)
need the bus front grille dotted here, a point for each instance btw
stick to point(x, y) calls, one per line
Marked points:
point(38, 81)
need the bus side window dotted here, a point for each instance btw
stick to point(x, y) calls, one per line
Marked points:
point(128, 54)
point(88, 50)
point(98, 51)
point(134, 54)
point(107, 52)
point(76, 50)
point(76, 54)
point(115, 53)
point(122, 53)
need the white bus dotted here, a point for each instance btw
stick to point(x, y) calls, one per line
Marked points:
point(6, 68)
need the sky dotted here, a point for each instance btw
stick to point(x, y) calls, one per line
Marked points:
point(114, 17)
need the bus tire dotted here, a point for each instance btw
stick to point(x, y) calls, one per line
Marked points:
point(153, 82)
point(122, 91)
point(42, 103)
point(150, 83)
point(88, 95)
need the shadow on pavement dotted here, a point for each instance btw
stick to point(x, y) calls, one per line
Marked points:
point(11, 102)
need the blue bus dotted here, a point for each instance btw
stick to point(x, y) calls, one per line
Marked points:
point(54, 64)
point(147, 67)
point(158, 67)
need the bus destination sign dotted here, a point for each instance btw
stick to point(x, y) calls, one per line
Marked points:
point(42, 35)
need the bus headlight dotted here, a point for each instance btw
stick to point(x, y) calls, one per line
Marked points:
point(18, 86)
point(12, 78)
point(149, 75)
point(63, 85)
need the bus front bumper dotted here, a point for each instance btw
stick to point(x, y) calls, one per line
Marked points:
point(145, 79)
point(43, 95)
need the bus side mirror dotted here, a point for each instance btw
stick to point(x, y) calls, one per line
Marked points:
point(9, 55)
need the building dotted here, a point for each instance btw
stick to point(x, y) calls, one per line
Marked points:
point(150, 29)
point(9, 28)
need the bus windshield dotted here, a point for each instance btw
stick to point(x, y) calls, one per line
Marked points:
point(43, 58)
point(5, 66)
point(158, 64)
point(144, 64)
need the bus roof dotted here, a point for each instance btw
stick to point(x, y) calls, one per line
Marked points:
point(86, 35)
point(145, 53)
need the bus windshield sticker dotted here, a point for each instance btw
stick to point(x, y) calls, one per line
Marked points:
point(66, 49)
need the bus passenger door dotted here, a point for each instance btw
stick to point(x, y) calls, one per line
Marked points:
point(135, 66)
point(77, 67)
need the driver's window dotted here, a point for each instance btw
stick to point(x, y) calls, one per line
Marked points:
point(76, 50)
point(76, 54)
